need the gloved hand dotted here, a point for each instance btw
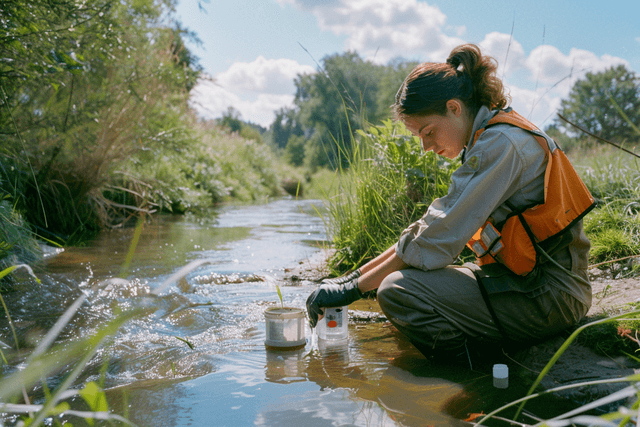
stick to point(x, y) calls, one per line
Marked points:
point(331, 295)
point(343, 279)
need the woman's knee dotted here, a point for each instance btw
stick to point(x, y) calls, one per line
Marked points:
point(389, 289)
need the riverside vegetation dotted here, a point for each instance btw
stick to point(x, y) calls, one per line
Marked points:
point(96, 130)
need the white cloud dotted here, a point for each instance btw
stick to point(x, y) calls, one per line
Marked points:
point(255, 89)
point(555, 73)
point(380, 30)
point(274, 75)
point(507, 51)
point(383, 29)
point(548, 65)
point(539, 81)
point(539, 109)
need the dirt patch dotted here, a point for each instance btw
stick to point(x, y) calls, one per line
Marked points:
point(611, 296)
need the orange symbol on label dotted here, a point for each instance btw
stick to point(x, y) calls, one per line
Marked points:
point(332, 324)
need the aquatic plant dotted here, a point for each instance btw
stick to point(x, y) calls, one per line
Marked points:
point(280, 296)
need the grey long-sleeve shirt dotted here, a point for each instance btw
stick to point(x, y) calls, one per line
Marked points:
point(505, 163)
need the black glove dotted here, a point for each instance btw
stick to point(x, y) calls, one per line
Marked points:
point(343, 279)
point(331, 295)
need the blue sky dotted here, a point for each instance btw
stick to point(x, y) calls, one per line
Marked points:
point(254, 48)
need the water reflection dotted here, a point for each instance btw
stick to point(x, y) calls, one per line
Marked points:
point(285, 366)
point(327, 385)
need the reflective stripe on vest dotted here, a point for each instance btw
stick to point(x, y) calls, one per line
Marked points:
point(566, 201)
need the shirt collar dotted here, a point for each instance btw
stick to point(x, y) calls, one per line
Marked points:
point(482, 118)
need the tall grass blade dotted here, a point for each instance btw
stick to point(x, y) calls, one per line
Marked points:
point(57, 328)
point(624, 116)
point(3, 273)
point(566, 345)
point(490, 415)
point(13, 329)
point(132, 247)
point(181, 273)
point(599, 138)
point(52, 361)
point(613, 397)
point(106, 416)
point(11, 269)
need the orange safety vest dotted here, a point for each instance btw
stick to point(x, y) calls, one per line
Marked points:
point(515, 242)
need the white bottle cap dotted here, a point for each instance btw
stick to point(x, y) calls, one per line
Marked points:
point(500, 376)
point(500, 371)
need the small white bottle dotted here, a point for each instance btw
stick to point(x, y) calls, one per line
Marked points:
point(334, 325)
point(500, 376)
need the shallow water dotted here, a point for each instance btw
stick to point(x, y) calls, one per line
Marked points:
point(229, 377)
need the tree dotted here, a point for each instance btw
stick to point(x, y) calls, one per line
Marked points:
point(394, 74)
point(333, 103)
point(231, 120)
point(346, 94)
point(85, 86)
point(294, 151)
point(284, 127)
point(592, 103)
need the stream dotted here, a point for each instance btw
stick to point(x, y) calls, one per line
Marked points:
point(198, 357)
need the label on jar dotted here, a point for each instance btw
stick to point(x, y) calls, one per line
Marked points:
point(334, 318)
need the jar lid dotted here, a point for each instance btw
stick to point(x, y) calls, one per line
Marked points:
point(284, 313)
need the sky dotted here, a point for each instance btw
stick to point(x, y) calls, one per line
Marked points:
point(254, 49)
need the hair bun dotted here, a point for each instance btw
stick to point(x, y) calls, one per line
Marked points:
point(454, 61)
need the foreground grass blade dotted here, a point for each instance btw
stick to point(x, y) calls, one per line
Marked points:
point(57, 328)
point(181, 273)
point(132, 248)
point(491, 415)
point(566, 345)
point(280, 296)
point(59, 357)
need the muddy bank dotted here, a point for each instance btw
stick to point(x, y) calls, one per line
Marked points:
point(581, 362)
point(589, 361)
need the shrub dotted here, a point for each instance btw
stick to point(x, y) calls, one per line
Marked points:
point(17, 243)
point(389, 185)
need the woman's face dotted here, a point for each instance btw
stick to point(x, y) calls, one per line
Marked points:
point(444, 135)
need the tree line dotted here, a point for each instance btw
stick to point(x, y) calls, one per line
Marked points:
point(348, 93)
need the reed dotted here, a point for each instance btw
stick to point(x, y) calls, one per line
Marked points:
point(388, 185)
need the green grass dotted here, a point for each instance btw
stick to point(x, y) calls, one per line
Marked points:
point(388, 185)
point(390, 182)
point(613, 177)
point(18, 244)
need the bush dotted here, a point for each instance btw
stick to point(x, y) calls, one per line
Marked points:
point(202, 167)
point(389, 185)
point(17, 243)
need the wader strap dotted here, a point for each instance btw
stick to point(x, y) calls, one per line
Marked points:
point(485, 297)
